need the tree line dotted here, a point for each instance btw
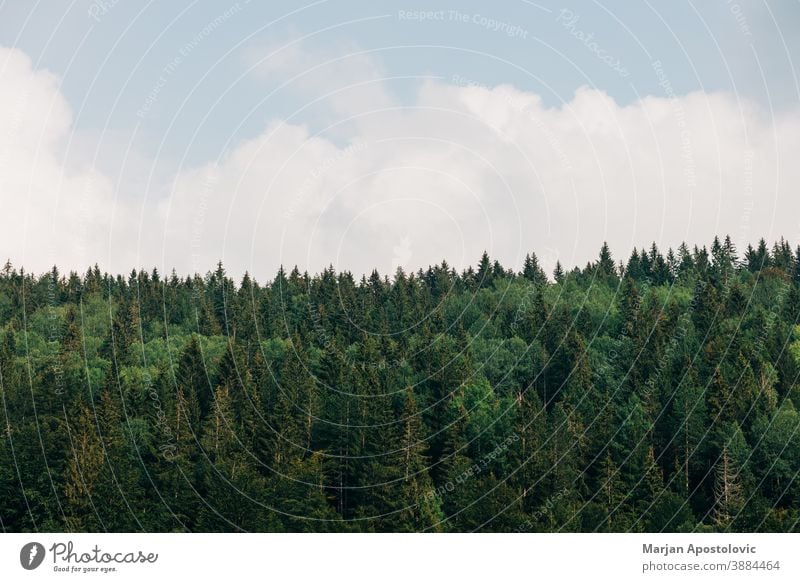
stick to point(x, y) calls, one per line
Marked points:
point(653, 394)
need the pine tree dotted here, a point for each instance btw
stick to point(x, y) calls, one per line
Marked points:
point(83, 473)
point(688, 422)
point(606, 269)
point(232, 487)
point(434, 401)
point(296, 406)
point(193, 385)
point(532, 271)
point(729, 496)
point(422, 511)
point(558, 273)
point(485, 274)
point(610, 500)
point(529, 456)
point(733, 482)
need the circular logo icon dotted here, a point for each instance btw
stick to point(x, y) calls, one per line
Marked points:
point(31, 555)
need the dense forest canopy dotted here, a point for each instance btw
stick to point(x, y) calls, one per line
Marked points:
point(654, 394)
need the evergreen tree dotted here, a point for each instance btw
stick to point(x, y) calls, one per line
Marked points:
point(663, 400)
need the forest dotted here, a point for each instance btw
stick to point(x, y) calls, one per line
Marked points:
point(656, 393)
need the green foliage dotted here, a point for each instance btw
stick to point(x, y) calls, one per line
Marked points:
point(658, 396)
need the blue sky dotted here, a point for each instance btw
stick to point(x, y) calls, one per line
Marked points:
point(157, 92)
point(111, 58)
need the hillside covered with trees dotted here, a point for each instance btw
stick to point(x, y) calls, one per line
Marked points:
point(658, 393)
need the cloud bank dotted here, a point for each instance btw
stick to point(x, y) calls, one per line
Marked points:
point(455, 169)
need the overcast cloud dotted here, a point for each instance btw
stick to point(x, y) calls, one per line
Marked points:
point(455, 169)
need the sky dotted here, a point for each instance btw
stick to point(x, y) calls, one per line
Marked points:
point(391, 134)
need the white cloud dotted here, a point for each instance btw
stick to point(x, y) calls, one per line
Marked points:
point(51, 212)
point(462, 169)
point(343, 78)
point(472, 168)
